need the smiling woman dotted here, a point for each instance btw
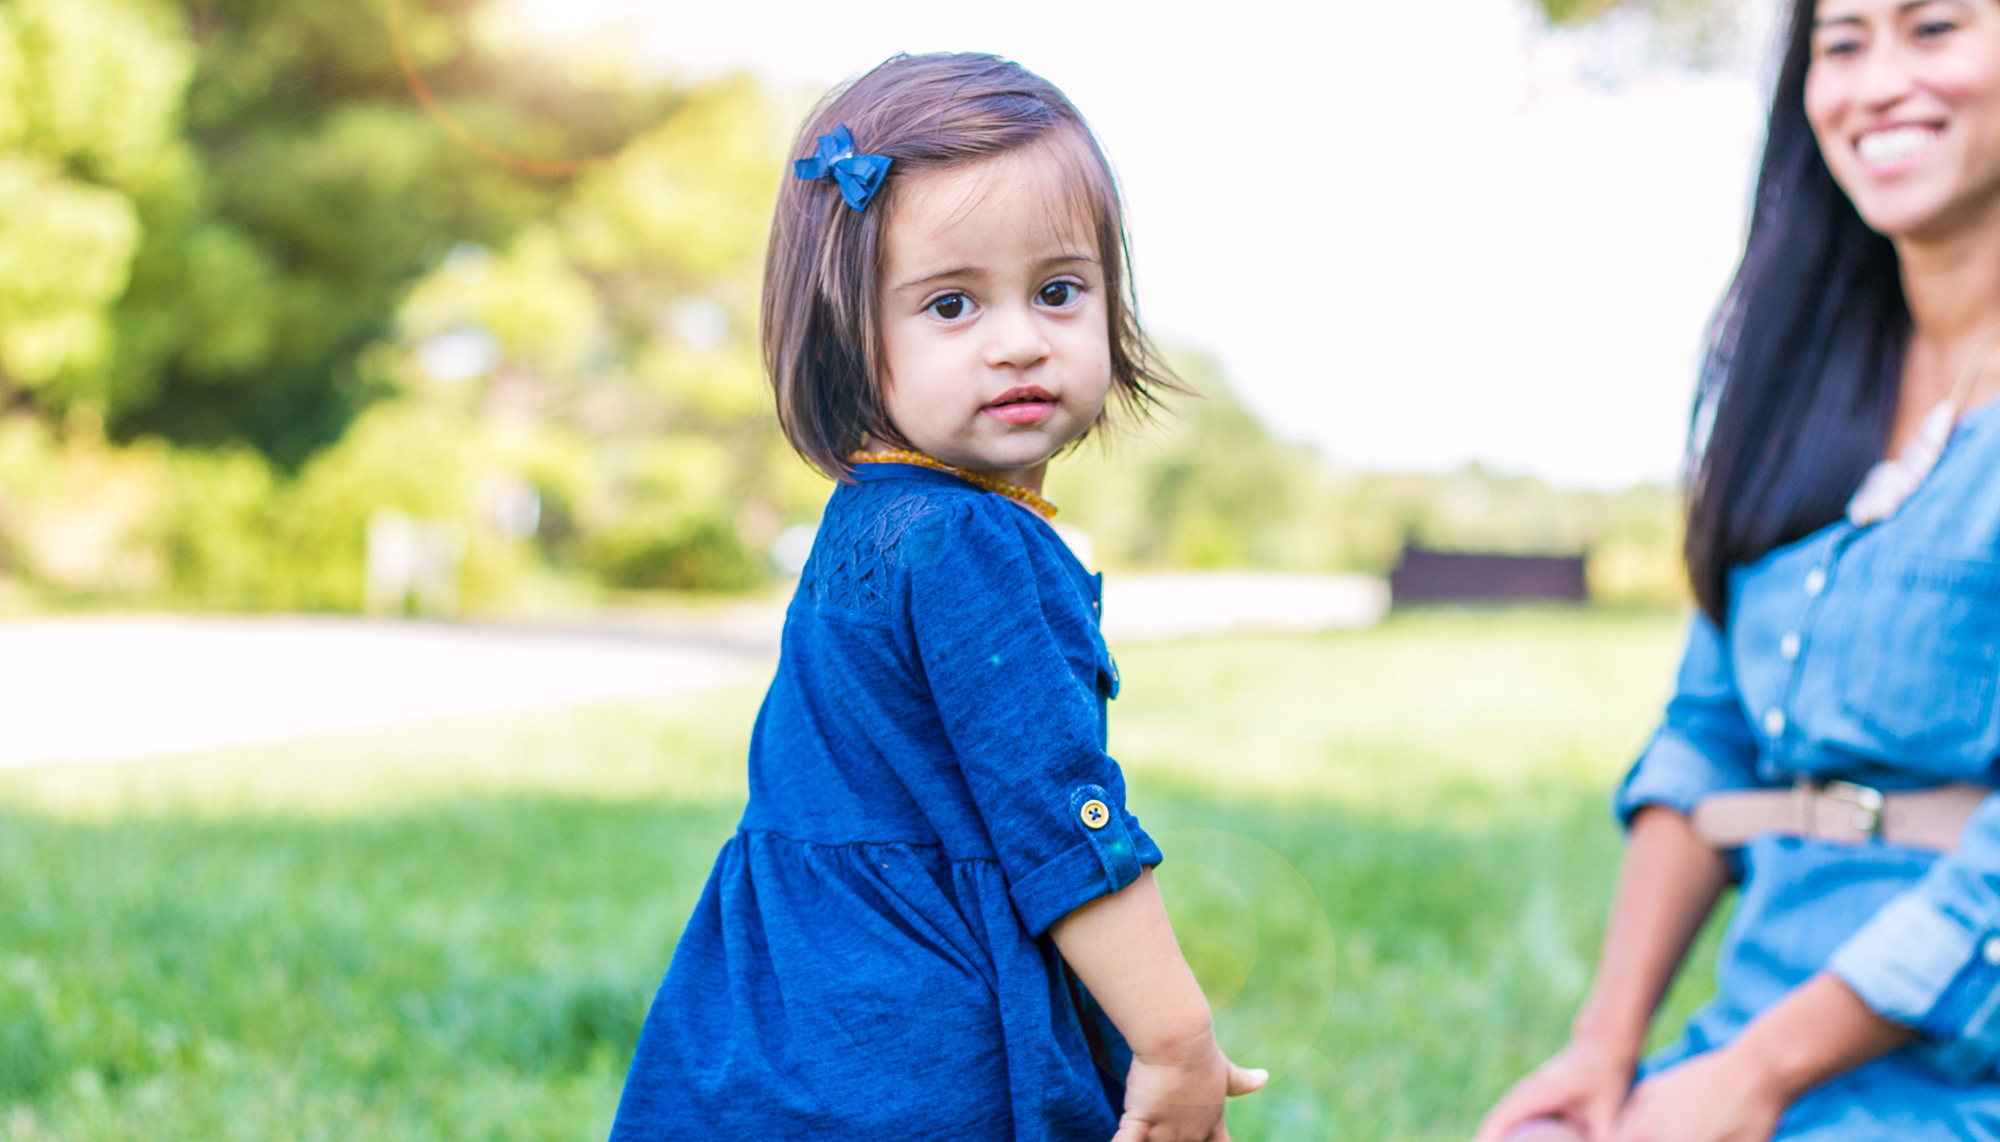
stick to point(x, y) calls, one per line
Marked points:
point(1834, 739)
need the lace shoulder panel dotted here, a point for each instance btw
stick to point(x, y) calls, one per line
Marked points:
point(867, 534)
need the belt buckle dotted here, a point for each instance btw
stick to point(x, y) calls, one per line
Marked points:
point(1868, 803)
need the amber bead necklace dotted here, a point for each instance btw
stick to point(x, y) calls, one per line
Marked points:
point(1020, 495)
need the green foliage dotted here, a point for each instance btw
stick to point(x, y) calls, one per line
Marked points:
point(1670, 11)
point(245, 272)
point(1576, 11)
point(676, 553)
point(216, 208)
point(88, 93)
point(1389, 860)
point(1208, 486)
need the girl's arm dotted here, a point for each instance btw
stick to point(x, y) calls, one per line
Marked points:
point(1123, 949)
point(1666, 889)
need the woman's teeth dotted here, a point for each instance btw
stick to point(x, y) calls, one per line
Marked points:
point(1897, 143)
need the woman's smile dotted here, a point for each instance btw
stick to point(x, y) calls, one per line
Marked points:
point(1891, 150)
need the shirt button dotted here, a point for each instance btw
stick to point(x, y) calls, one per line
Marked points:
point(1991, 951)
point(1096, 814)
point(1788, 646)
point(1774, 722)
point(1815, 581)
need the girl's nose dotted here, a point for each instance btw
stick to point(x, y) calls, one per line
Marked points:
point(1014, 339)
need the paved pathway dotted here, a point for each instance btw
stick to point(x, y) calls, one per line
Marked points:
point(97, 689)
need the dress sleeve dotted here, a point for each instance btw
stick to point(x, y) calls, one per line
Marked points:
point(1704, 745)
point(1012, 663)
point(1930, 959)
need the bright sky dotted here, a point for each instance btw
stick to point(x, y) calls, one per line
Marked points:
point(1414, 234)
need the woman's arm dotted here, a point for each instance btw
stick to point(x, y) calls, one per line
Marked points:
point(1738, 1093)
point(1123, 949)
point(1666, 889)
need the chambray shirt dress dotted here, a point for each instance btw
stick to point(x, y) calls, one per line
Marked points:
point(1868, 655)
point(929, 791)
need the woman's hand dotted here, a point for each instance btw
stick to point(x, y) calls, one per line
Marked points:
point(1717, 1097)
point(1177, 1094)
point(1585, 1085)
point(1667, 887)
point(1738, 1093)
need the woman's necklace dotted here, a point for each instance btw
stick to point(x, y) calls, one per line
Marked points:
point(1020, 495)
point(1891, 482)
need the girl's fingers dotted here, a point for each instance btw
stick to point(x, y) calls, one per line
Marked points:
point(1244, 1080)
point(1130, 1130)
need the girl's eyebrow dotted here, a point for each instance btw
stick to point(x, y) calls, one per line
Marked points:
point(954, 272)
point(974, 271)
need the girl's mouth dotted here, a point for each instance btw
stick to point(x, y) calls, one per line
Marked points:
point(1023, 405)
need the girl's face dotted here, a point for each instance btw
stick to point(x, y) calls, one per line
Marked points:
point(996, 338)
point(1905, 101)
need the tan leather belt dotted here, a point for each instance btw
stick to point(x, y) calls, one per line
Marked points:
point(1841, 811)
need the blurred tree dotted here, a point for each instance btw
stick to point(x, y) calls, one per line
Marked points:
point(630, 321)
point(1580, 11)
point(89, 93)
point(1689, 33)
point(215, 208)
point(1208, 486)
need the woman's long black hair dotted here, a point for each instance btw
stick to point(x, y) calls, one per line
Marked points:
point(1804, 356)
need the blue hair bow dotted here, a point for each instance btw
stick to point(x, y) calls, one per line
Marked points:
point(858, 176)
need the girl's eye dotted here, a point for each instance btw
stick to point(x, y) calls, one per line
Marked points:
point(951, 306)
point(1932, 29)
point(1058, 294)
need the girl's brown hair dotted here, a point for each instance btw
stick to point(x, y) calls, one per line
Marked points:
point(820, 337)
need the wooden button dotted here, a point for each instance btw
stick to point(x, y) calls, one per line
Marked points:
point(1096, 814)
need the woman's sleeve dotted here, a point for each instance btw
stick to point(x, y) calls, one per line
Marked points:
point(1930, 959)
point(1013, 667)
point(1704, 745)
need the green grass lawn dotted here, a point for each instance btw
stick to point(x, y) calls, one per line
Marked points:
point(1388, 861)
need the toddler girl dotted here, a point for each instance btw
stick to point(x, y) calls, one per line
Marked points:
point(936, 918)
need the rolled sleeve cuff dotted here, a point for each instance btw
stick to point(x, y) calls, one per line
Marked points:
point(1675, 772)
point(1102, 862)
point(1917, 965)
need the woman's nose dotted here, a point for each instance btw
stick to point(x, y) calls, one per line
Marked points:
point(1886, 76)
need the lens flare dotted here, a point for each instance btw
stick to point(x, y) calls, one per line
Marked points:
point(435, 108)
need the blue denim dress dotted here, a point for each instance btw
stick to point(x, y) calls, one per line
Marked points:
point(1868, 655)
point(929, 791)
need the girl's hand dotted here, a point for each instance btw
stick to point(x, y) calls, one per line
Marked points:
point(1584, 1085)
point(1177, 1094)
point(1717, 1097)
